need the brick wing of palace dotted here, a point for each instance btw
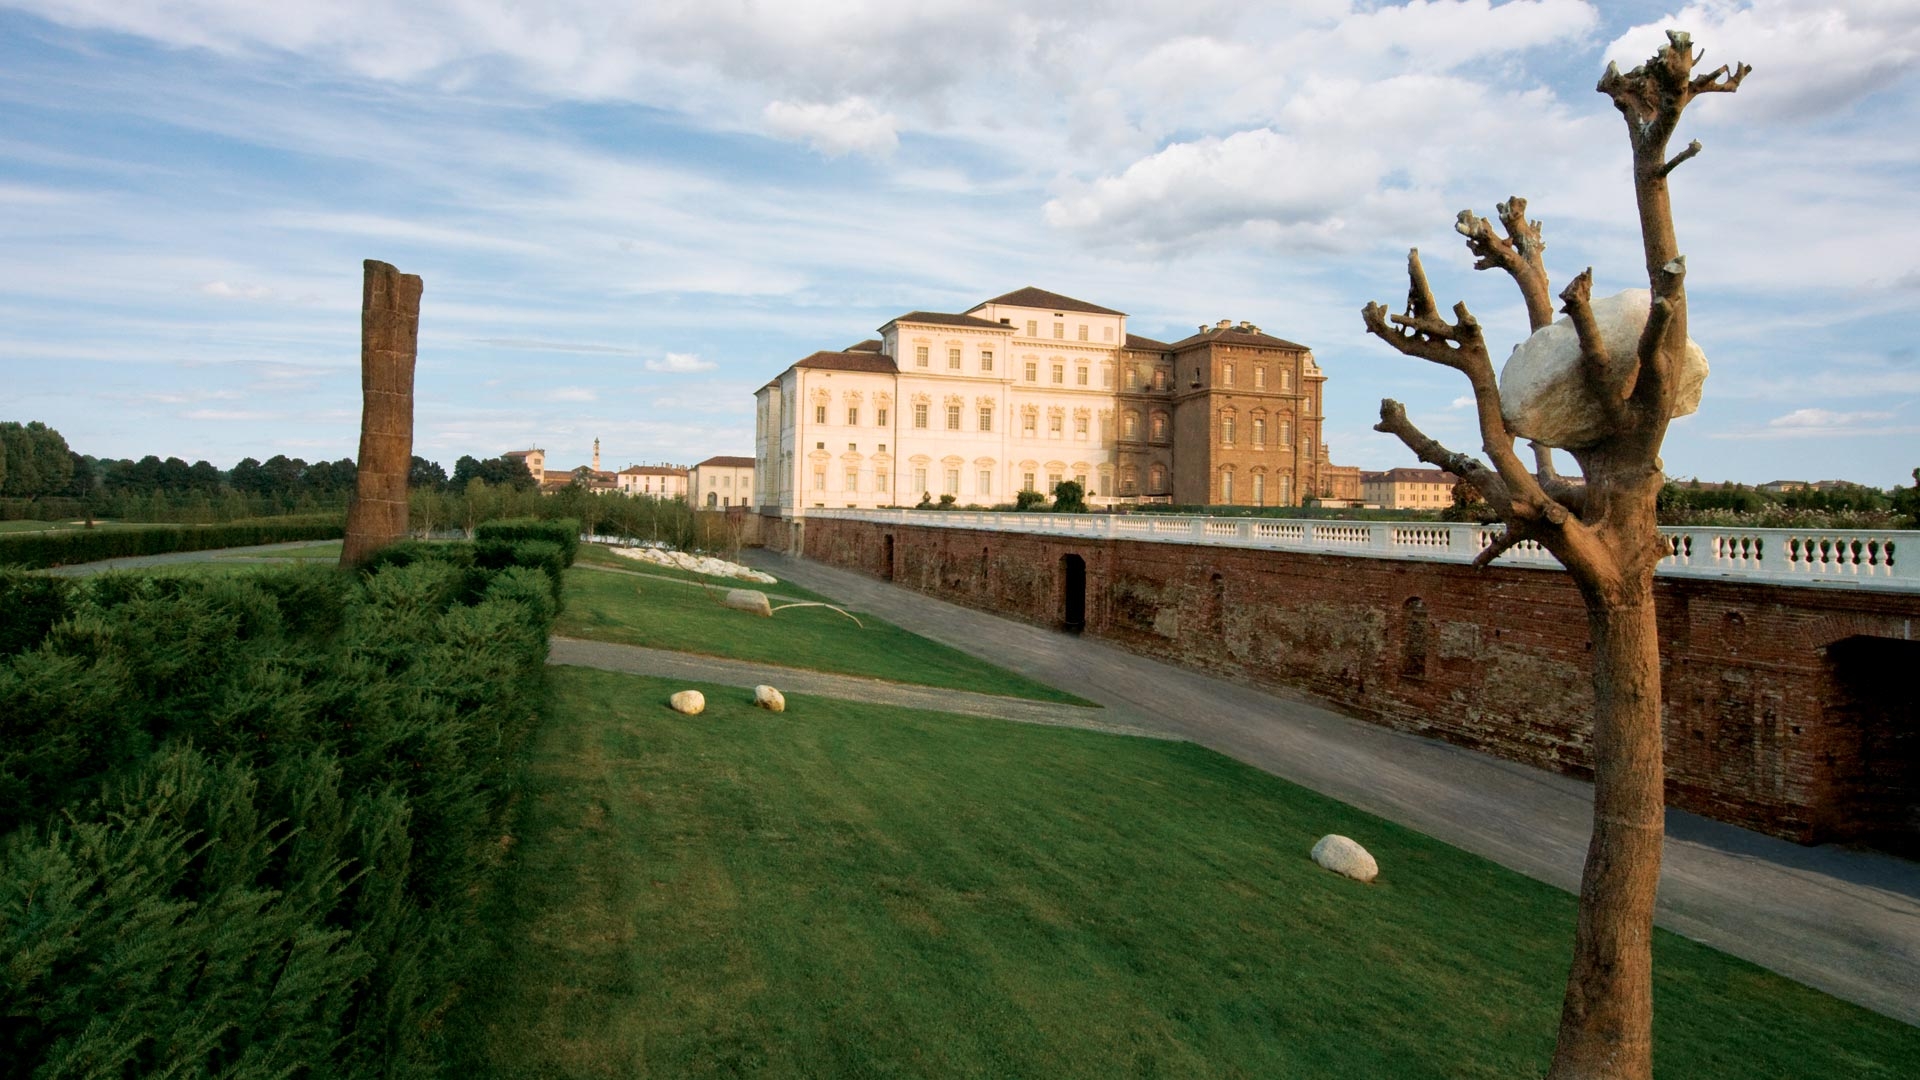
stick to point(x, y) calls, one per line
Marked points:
point(1032, 388)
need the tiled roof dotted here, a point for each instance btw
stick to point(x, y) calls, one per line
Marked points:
point(869, 345)
point(522, 453)
point(1409, 476)
point(1147, 344)
point(652, 470)
point(1031, 297)
point(938, 318)
point(1236, 336)
point(849, 361)
point(728, 462)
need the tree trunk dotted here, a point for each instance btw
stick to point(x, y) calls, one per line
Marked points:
point(389, 331)
point(1606, 1018)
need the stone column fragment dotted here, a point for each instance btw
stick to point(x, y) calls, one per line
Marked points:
point(389, 339)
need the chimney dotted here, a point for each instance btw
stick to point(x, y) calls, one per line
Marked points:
point(1225, 324)
point(1205, 329)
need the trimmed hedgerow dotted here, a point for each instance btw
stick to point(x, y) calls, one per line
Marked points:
point(249, 820)
point(65, 547)
point(564, 532)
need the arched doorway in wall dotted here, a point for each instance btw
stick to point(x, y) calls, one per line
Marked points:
point(1073, 593)
point(886, 557)
point(1872, 707)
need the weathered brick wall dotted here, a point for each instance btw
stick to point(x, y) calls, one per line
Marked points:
point(1762, 729)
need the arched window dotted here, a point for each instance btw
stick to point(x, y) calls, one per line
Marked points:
point(1132, 424)
point(1226, 487)
point(1159, 425)
point(713, 499)
point(1157, 481)
point(1129, 481)
point(1259, 488)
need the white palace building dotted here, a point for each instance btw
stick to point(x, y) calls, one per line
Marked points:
point(1032, 388)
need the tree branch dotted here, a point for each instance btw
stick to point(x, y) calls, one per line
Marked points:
point(1393, 421)
point(1655, 356)
point(1594, 364)
point(1570, 495)
point(1693, 149)
point(1508, 539)
point(1518, 253)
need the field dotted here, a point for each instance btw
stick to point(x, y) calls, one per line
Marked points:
point(851, 890)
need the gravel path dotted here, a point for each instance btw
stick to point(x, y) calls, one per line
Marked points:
point(693, 667)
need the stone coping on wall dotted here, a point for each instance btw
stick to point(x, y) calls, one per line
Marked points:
point(1877, 559)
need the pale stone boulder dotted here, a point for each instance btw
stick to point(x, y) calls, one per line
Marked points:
point(691, 702)
point(769, 699)
point(751, 601)
point(1346, 858)
point(1543, 395)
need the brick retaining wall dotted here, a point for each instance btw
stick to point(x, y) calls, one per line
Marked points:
point(1768, 725)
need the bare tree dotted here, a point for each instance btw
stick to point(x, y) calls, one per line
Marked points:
point(1603, 531)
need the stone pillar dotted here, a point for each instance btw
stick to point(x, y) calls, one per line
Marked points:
point(389, 336)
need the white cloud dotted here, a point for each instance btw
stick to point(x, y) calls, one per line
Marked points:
point(852, 125)
point(236, 292)
point(1826, 419)
point(572, 393)
point(1809, 57)
point(680, 364)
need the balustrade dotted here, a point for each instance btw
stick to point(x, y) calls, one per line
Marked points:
point(1834, 558)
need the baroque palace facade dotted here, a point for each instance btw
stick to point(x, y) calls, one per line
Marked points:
point(1032, 388)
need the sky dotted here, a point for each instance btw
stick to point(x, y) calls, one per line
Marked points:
point(630, 216)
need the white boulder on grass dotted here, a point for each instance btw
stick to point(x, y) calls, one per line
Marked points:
point(769, 699)
point(699, 564)
point(1543, 395)
point(751, 601)
point(691, 702)
point(1346, 858)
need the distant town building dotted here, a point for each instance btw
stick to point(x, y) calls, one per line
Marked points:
point(720, 482)
point(653, 481)
point(1408, 489)
point(535, 461)
point(1029, 389)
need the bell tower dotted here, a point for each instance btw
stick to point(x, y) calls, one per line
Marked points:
point(596, 455)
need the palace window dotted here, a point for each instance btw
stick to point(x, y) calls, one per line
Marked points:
point(853, 417)
point(986, 482)
point(1260, 377)
point(1131, 427)
point(1286, 378)
point(1083, 331)
point(953, 359)
point(1033, 328)
point(1026, 483)
point(1033, 371)
point(1286, 434)
point(1226, 486)
point(1157, 479)
point(1060, 331)
point(1080, 377)
point(1053, 425)
point(820, 478)
point(853, 481)
point(986, 418)
point(1080, 426)
point(1053, 482)
point(920, 478)
point(920, 355)
point(1226, 374)
point(953, 482)
point(953, 418)
point(881, 419)
point(1129, 481)
point(920, 414)
point(1133, 378)
point(1259, 489)
point(1259, 434)
point(986, 359)
point(1059, 374)
point(819, 414)
point(1026, 424)
point(1159, 425)
point(1107, 334)
point(1160, 379)
point(1226, 429)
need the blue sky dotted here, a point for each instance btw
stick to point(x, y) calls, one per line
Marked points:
point(630, 216)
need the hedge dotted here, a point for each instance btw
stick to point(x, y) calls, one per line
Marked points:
point(66, 547)
point(249, 821)
point(564, 532)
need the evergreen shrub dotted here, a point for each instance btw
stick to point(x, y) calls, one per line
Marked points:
point(65, 547)
point(246, 823)
point(564, 532)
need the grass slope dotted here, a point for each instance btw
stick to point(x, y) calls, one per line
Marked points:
point(666, 615)
point(850, 890)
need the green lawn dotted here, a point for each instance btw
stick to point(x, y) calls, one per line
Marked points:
point(851, 890)
point(328, 549)
point(667, 615)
